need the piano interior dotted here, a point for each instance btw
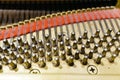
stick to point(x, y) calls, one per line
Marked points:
point(59, 39)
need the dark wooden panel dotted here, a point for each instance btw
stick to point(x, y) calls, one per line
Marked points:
point(54, 4)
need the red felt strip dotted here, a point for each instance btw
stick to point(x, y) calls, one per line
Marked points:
point(59, 21)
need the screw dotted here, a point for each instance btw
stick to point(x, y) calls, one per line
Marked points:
point(92, 70)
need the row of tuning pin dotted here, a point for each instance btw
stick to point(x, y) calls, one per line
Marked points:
point(48, 48)
point(67, 40)
point(55, 61)
point(23, 49)
point(60, 37)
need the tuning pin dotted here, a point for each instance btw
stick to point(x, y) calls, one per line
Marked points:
point(1, 50)
point(80, 40)
point(20, 59)
point(87, 43)
point(20, 41)
point(109, 31)
point(96, 48)
point(117, 34)
point(90, 55)
point(12, 46)
point(85, 35)
point(92, 39)
point(27, 54)
point(48, 47)
point(42, 63)
point(20, 50)
point(55, 51)
point(105, 37)
point(35, 58)
point(26, 45)
point(72, 36)
point(41, 52)
point(60, 37)
point(4, 60)
point(109, 45)
point(12, 65)
point(100, 42)
point(67, 41)
point(49, 56)
point(12, 55)
point(54, 43)
point(113, 40)
point(1, 67)
point(85, 60)
point(77, 55)
point(104, 52)
point(69, 51)
point(74, 45)
point(98, 60)
point(47, 38)
point(33, 40)
point(117, 51)
point(5, 51)
point(0, 57)
point(70, 61)
point(27, 64)
point(112, 58)
point(56, 61)
point(97, 33)
point(62, 46)
point(6, 43)
point(83, 49)
point(63, 56)
point(40, 43)
point(34, 48)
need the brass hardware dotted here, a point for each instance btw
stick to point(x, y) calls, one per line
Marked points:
point(21, 23)
point(118, 4)
point(37, 18)
point(32, 20)
point(43, 17)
